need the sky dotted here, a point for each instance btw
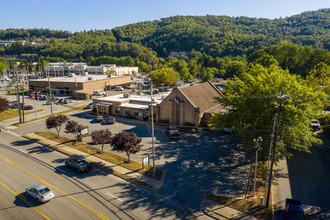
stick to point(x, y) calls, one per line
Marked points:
point(79, 15)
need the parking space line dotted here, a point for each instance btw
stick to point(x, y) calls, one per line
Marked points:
point(165, 135)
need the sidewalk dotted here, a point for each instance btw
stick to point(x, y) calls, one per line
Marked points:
point(153, 182)
point(223, 212)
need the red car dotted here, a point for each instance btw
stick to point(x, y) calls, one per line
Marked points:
point(27, 107)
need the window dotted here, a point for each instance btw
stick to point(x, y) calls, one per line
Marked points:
point(137, 113)
point(127, 112)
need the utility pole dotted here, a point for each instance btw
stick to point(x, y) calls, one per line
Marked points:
point(18, 100)
point(50, 98)
point(259, 139)
point(282, 97)
point(152, 132)
point(269, 154)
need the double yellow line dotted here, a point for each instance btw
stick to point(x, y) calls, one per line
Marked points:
point(23, 198)
point(50, 185)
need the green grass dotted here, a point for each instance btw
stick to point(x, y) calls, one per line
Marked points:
point(13, 113)
point(105, 155)
point(47, 116)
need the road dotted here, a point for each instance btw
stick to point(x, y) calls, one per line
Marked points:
point(306, 177)
point(96, 195)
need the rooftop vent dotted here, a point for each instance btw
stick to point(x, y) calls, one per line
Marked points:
point(126, 95)
point(89, 78)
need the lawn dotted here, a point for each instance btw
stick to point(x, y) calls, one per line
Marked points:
point(105, 155)
point(13, 113)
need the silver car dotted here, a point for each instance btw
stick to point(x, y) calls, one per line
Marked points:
point(41, 193)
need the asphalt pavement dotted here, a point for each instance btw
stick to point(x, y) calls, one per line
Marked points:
point(94, 195)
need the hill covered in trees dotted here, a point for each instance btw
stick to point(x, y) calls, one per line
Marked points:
point(227, 36)
point(217, 36)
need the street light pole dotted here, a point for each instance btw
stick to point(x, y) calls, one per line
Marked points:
point(259, 139)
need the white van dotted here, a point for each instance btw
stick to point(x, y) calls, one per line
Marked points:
point(119, 88)
point(99, 92)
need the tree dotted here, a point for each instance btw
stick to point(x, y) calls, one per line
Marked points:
point(164, 76)
point(253, 105)
point(2, 67)
point(101, 136)
point(126, 142)
point(74, 128)
point(3, 104)
point(56, 122)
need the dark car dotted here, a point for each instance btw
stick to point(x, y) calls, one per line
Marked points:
point(66, 101)
point(166, 89)
point(294, 209)
point(161, 89)
point(99, 118)
point(79, 164)
point(89, 106)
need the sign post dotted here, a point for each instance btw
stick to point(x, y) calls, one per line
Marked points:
point(145, 161)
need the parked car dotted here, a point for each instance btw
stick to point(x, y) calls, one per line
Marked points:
point(111, 120)
point(155, 91)
point(161, 89)
point(166, 89)
point(49, 102)
point(173, 133)
point(98, 92)
point(315, 124)
point(27, 107)
point(89, 106)
point(43, 97)
point(99, 118)
point(79, 164)
point(294, 209)
point(66, 101)
point(41, 193)
point(119, 88)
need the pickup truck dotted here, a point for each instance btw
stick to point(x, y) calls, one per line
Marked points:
point(79, 164)
point(294, 209)
point(174, 133)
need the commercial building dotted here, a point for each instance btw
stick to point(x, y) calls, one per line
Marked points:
point(80, 86)
point(61, 69)
point(126, 105)
point(189, 105)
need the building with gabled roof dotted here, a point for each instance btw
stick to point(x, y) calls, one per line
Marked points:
point(187, 106)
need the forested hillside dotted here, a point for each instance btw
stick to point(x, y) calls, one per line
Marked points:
point(216, 36)
point(223, 36)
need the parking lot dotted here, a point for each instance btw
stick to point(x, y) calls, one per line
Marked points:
point(197, 164)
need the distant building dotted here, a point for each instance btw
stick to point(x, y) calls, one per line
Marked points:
point(80, 86)
point(178, 54)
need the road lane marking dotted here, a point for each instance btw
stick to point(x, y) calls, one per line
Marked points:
point(165, 136)
point(114, 197)
point(24, 199)
point(22, 150)
point(50, 185)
